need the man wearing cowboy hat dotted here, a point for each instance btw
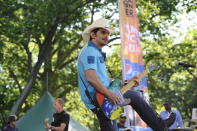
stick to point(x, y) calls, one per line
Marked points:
point(91, 68)
point(92, 77)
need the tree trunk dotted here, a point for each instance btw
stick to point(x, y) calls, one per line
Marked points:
point(42, 56)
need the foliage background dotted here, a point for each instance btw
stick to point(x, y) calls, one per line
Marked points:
point(40, 41)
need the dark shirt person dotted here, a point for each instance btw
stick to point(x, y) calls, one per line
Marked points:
point(60, 118)
point(11, 124)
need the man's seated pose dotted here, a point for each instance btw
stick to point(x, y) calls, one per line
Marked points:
point(93, 77)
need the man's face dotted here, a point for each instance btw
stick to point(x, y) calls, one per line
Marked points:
point(122, 119)
point(13, 123)
point(57, 106)
point(167, 106)
point(100, 37)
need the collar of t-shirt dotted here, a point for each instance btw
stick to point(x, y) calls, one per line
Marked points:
point(90, 43)
point(59, 114)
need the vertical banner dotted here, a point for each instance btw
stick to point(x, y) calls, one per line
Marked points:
point(131, 53)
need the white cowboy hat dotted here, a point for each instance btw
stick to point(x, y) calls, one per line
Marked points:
point(100, 23)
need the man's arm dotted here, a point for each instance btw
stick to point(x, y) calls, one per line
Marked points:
point(93, 79)
point(46, 124)
point(60, 128)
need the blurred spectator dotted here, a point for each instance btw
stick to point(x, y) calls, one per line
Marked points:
point(121, 122)
point(178, 123)
point(11, 124)
point(60, 118)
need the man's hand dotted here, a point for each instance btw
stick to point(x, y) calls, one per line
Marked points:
point(52, 128)
point(137, 80)
point(114, 98)
point(47, 126)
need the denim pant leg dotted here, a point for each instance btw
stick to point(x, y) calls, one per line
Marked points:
point(147, 114)
point(104, 122)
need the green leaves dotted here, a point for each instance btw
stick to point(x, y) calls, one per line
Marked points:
point(172, 81)
point(27, 26)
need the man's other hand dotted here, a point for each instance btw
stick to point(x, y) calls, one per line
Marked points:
point(114, 98)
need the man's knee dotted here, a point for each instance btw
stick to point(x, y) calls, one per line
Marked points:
point(133, 95)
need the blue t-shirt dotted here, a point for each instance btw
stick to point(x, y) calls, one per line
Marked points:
point(178, 121)
point(91, 57)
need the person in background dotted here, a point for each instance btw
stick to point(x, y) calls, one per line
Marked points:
point(11, 124)
point(60, 118)
point(178, 123)
point(121, 122)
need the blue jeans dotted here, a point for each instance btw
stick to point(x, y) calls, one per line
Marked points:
point(105, 123)
point(146, 113)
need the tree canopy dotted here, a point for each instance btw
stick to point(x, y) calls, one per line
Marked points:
point(40, 41)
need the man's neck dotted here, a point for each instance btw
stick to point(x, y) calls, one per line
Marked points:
point(60, 110)
point(169, 110)
point(97, 44)
point(11, 125)
point(121, 123)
